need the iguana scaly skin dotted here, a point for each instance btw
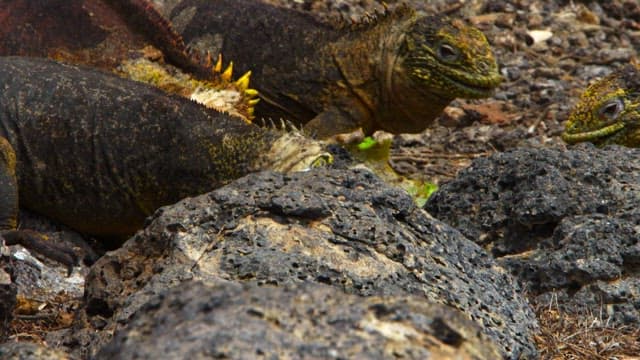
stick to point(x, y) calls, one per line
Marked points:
point(8, 186)
point(100, 153)
point(608, 112)
point(395, 72)
point(107, 33)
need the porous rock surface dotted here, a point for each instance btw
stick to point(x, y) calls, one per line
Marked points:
point(30, 351)
point(8, 292)
point(565, 222)
point(232, 321)
point(343, 228)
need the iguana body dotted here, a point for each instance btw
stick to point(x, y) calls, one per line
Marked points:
point(396, 73)
point(608, 112)
point(108, 34)
point(100, 153)
point(99, 33)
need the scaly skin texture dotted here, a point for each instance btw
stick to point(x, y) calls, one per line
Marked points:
point(100, 153)
point(98, 33)
point(8, 186)
point(105, 34)
point(608, 112)
point(395, 73)
point(77, 31)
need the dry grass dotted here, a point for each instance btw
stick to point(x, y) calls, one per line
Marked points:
point(33, 320)
point(566, 336)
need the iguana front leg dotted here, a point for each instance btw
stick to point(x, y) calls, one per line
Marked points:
point(9, 215)
point(331, 122)
point(344, 122)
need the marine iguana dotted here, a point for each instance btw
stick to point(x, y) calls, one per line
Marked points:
point(608, 112)
point(99, 153)
point(395, 72)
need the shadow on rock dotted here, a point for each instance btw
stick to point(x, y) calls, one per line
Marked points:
point(565, 222)
point(232, 321)
point(341, 228)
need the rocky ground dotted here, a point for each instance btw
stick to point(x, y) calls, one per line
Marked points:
point(562, 222)
point(548, 52)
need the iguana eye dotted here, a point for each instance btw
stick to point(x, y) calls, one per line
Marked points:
point(611, 109)
point(447, 52)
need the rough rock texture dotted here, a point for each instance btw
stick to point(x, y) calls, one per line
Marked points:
point(7, 301)
point(341, 228)
point(30, 351)
point(294, 322)
point(45, 292)
point(560, 220)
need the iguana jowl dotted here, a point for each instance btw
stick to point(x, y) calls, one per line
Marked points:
point(395, 73)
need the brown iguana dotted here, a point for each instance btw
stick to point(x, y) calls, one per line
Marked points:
point(608, 112)
point(395, 72)
point(100, 153)
point(109, 34)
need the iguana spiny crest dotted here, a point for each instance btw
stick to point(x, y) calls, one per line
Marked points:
point(219, 92)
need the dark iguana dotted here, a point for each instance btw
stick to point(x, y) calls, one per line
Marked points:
point(608, 112)
point(100, 153)
point(111, 35)
point(395, 73)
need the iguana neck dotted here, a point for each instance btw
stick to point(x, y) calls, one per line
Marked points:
point(373, 71)
point(406, 105)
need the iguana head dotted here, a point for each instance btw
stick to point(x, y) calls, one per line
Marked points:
point(451, 58)
point(608, 112)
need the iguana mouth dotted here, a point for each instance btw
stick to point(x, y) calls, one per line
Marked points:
point(474, 88)
point(599, 134)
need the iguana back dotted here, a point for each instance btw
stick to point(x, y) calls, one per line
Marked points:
point(272, 43)
point(100, 153)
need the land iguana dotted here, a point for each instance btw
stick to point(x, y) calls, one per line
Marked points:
point(100, 153)
point(116, 35)
point(608, 112)
point(394, 72)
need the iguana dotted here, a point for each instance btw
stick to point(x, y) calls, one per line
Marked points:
point(100, 153)
point(608, 112)
point(109, 34)
point(394, 72)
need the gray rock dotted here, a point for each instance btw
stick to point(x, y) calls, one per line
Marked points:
point(312, 320)
point(30, 351)
point(8, 291)
point(48, 293)
point(562, 221)
point(346, 229)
